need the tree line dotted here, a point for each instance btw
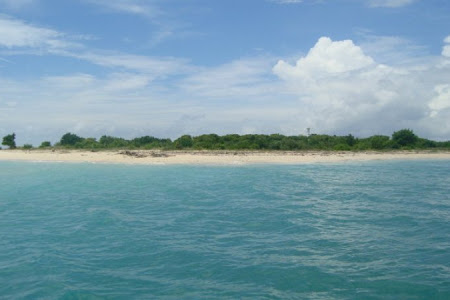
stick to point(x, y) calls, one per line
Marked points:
point(403, 139)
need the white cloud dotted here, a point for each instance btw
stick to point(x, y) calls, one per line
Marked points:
point(446, 48)
point(114, 82)
point(126, 82)
point(390, 3)
point(166, 24)
point(446, 51)
point(124, 104)
point(70, 82)
point(342, 89)
point(156, 66)
point(442, 99)
point(15, 33)
point(326, 57)
point(136, 7)
point(336, 88)
point(22, 38)
point(5, 60)
point(391, 50)
point(242, 77)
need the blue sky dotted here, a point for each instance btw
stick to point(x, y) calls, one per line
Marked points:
point(171, 67)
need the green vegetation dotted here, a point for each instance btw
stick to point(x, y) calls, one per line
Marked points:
point(70, 139)
point(45, 144)
point(27, 146)
point(10, 141)
point(404, 139)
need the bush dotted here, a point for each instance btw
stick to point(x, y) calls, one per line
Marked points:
point(45, 144)
point(342, 147)
point(362, 145)
point(379, 142)
point(87, 143)
point(70, 139)
point(405, 137)
point(350, 140)
point(424, 143)
point(27, 146)
point(9, 141)
point(113, 142)
point(184, 141)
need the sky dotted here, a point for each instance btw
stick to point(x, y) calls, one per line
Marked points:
point(166, 68)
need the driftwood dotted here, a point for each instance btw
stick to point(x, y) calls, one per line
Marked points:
point(142, 154)
point(154, 154)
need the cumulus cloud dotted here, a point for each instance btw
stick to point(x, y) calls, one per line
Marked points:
point(446, 51)
point(442, 99)
point(326, 57)
point(335, 88)
point(446, 48)
point(342, 89)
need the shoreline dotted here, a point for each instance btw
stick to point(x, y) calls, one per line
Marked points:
point(212, 157)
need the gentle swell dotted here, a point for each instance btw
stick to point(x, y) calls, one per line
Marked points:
point(374, 230)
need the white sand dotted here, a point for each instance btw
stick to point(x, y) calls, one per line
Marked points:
point(212, 157)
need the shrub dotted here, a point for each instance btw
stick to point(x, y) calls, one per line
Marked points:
point(9, 141)
point(45, 144)
point(342, 147)
point(184, 141)
point(70, 139)
point(405, 137)
point(379, 142)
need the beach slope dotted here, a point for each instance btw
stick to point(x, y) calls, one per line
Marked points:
point(212, 157)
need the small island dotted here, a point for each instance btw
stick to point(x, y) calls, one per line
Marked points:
point(230, 149)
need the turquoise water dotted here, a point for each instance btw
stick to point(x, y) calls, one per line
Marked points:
point(373, 230)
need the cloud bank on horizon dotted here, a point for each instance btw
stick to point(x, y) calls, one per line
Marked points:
point(222, 70)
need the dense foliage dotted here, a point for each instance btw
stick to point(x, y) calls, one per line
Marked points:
point(10, 141)
point(402, 139)
point(45, 144)
point(70, 139)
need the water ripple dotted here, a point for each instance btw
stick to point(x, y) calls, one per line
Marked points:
point(375, 230)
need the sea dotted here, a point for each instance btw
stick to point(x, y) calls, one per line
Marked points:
point(353, 230)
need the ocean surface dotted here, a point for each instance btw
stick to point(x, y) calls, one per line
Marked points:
point(367, 230)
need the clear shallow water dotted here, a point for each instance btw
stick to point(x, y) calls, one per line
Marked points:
point(374, 230)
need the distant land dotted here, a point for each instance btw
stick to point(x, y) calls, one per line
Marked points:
point(404, 139)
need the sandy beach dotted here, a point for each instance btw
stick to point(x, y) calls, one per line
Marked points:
point(212, 157)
